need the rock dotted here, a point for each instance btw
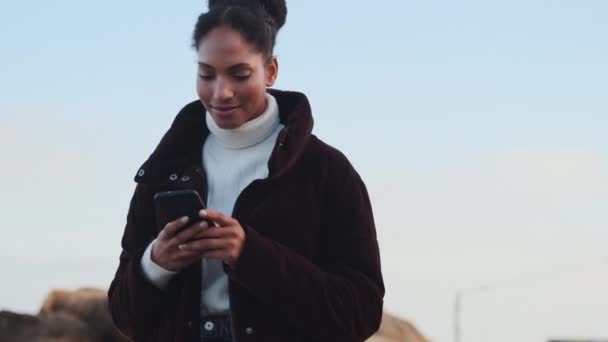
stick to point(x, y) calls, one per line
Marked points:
point(393, 329)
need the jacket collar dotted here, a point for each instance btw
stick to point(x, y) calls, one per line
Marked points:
point(181, 146)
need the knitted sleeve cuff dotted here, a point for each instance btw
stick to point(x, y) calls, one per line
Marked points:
point(157, 275)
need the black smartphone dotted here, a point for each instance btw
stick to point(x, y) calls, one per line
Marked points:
point(171, 205)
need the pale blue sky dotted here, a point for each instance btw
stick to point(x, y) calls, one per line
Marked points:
point(478, 126)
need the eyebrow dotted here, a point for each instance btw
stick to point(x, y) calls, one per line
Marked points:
point(232, 67)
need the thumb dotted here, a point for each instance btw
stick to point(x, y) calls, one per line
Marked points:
point(173, 227)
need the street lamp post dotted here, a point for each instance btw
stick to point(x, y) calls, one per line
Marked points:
point(457, 303)
point(458, 308)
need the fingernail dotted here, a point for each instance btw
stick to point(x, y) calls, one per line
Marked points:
point(203, 212)
point(204, 224)
point(184, 219)
point(182, 246)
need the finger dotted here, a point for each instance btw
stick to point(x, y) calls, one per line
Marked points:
point(191, 231)
point(214, 233)
point(205, 224)
point(173, 227)
point(187, 255)
point(203, 245)
point(217, 217)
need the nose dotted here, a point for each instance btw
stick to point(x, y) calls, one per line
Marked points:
point(223, 90)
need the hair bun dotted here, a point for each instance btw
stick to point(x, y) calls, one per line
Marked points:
point(276, 9)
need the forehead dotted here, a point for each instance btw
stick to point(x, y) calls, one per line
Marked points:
point(224, 46)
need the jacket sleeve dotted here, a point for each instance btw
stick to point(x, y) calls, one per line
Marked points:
point(340, 299)
point(136, 305)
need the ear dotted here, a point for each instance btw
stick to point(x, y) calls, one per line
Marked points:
point(272, 71)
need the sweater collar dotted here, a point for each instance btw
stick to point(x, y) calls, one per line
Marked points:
point(251, 132)
point(180, 147)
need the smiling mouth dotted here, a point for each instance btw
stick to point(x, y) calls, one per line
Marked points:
point(225, 110)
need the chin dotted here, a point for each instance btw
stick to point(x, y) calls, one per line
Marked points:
point(225, 124)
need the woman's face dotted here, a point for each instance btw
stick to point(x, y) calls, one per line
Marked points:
point(232, 77)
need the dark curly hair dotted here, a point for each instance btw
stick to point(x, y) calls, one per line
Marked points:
point(258, 21)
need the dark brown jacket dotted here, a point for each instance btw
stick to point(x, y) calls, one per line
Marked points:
point(310, 266)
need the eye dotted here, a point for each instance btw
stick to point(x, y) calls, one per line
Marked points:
point(205, 77)
point(241, 77)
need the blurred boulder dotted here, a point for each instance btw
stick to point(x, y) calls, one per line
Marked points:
point(89, 305)
point(61, 327)
point(393, 329)
point(65, 316)
point(83, 316)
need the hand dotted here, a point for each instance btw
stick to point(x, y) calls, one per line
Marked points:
point(224, 241)
point(166, 252)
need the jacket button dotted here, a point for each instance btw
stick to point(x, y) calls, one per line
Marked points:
point(185, 179)
point(249, 330)
point(141, 172)
point(189, 324)
point(173, 177)
point(209, 325)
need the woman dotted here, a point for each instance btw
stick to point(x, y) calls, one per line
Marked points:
point(292, 253)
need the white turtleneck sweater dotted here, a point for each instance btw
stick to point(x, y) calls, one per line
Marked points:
point(232, 159)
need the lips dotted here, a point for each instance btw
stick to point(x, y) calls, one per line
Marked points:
point(223, 110)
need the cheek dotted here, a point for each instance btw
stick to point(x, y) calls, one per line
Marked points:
point(203, 90)
point(254, 91)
